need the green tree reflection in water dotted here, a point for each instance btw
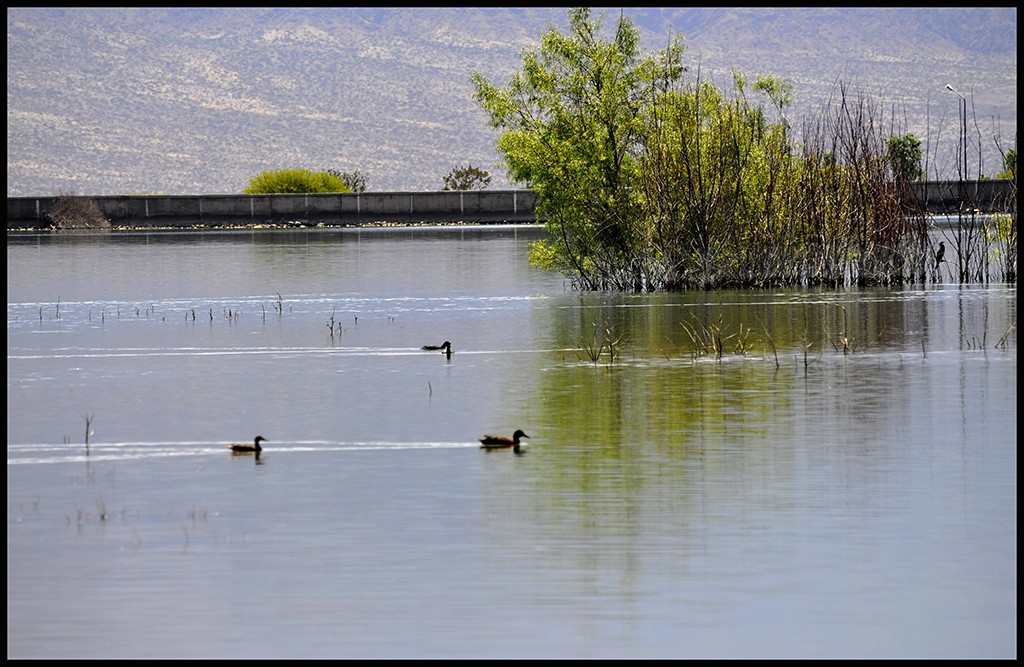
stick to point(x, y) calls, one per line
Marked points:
point(662, 397)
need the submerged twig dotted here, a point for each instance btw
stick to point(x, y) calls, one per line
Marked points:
point(88, 430)
point(1002, 339)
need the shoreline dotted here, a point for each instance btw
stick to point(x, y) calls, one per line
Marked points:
point(291, 224)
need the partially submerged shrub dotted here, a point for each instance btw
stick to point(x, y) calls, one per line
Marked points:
point(73, 212)
point(650, 181)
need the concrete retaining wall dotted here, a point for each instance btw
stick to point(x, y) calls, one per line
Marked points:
point(476, 206)
point(988, 196)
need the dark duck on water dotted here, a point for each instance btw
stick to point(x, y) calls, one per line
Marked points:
point(237, 448)
point(492, 442)
point(445, 347)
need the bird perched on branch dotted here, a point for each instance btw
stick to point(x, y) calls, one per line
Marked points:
point(940, 254)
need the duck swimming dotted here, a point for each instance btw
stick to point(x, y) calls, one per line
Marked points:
point(498, 442)
point(245, 449)
point(445, 346)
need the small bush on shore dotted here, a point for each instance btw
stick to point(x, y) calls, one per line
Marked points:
point(73, 212)
point(294, 181)
point(355, 180)
point(466, 178)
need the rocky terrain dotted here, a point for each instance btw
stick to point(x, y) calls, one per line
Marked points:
point(198, 100)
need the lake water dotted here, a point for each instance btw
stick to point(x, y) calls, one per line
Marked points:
point(837, 478)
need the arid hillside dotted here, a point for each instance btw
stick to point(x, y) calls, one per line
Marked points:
point(197, 100)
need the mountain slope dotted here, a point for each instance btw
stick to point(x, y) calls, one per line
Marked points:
point(197, 100)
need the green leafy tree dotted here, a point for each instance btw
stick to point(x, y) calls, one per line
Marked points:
point(285, 181)
point(904, 157)
point(571, 126)
point(466, 178)
point(355, 180)
point(650, 182)
point(716, 172)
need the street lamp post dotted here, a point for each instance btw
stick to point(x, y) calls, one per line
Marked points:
point(962, 149)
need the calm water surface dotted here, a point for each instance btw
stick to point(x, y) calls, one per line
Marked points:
point(839, 481)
